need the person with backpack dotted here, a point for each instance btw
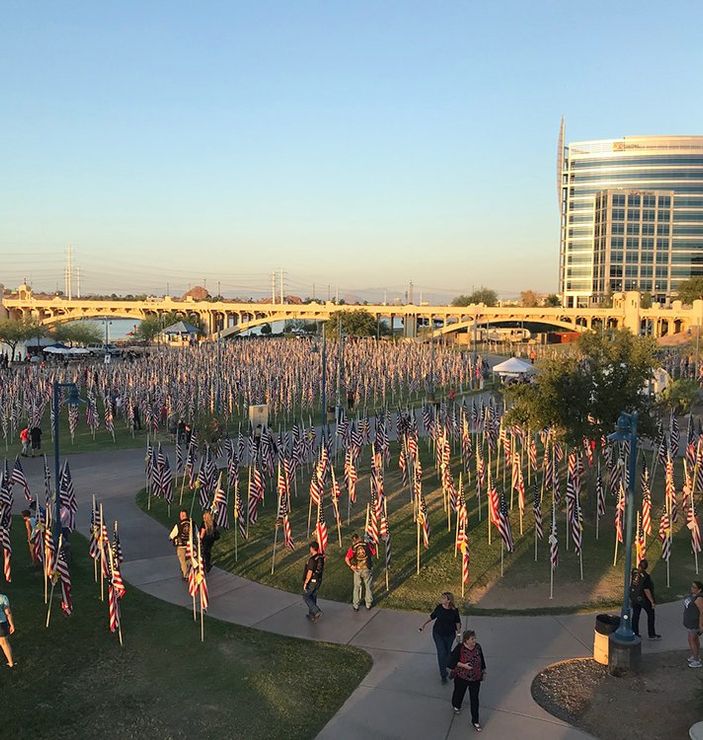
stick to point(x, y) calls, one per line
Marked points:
point(468, 668)
point(312, 579)
point(359, 558)
point(642, 597)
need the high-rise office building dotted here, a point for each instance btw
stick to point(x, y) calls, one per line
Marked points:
point(631, 216)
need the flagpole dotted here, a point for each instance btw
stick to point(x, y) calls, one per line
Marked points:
point(102, 557)
point(200, 593)
point(95, 560)
point(53, 581)
point(417, 567)
point(116, 599)
point(275, 531)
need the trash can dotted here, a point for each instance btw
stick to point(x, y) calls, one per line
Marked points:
point(606, 624)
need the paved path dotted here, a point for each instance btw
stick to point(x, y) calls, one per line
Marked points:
point(402, 696)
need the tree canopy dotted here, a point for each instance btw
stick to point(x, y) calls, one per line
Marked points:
point(483, 295)
point(357, 323)
point(78, 332)
point(149, 328)
point(690, 290)
point(12, 332)
point(529, 298)
point(552, 301)
point(583, 395)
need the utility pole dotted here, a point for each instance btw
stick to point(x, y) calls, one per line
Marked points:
point(329, 292)
point(410, 292)
point(273, 287)
point(313, 291)
point(282, 289)
point(168, 292)
point(324, 384)
point(78, 282)
point(218, 289)
point(336, 297)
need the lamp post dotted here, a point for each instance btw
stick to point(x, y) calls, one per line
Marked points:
point(627, 431)
point(72, 400)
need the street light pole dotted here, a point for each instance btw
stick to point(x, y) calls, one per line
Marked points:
point(72, 400)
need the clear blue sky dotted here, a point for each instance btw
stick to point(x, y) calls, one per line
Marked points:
point(363, 144)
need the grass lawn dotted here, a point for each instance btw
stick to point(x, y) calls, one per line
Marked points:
point(74, 681)
point(523, 587)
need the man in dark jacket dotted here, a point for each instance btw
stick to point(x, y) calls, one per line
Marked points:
point(312, 579)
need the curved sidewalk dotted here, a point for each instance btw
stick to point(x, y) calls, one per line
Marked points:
point(402, 696)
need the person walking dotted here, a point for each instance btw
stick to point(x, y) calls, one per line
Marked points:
point(642, 597)
point(469, 669)
point(359, 558)
point(35, 438)
point(693, 622)
point(312, 579)
point(180, 535)
point(208, 536)
point(447, 624)
point(7, 628)
point(24, 439)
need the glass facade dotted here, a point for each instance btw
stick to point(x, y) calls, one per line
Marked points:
point(631, 216)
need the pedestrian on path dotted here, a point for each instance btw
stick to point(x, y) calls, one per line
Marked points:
point(24, 439)
point(642, 597)
point(35, 437)
point(359, 558)
point(179, 535)
point(208, 536)
point(469, 669)
point(7, 628)
point(447, 625)
point(312, 579)
point(693, 622)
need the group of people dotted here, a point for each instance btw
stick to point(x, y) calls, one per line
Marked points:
point(30, 438)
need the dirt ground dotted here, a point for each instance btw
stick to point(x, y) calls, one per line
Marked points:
point(663, 701)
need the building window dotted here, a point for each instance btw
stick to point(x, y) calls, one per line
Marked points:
point(633, 228)
point(633, 200)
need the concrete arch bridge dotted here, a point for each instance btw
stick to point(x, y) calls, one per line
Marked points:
point(228, 318)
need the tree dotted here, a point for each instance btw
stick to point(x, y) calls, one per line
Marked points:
point(680, 396)
point(691, 290)
point(266, 329)
point(12, 332)
point(583, 395)
point(529, 299)
point(357, 323)
point(78, 332)
point(150, 327)
point(552, 301)
point(482, 295)
point(646, 300)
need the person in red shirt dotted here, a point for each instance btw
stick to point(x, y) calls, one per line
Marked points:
point(359, 559)
point(24, 439)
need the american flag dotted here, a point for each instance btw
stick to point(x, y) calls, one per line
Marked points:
point(179, 458)
point(600, 494)
point(67, 496)
point(63, 574)
point(553, 543)
point(619, 515)
point(256, 494)
point(219, 505)
point(494, 506)
point(20, 479)
point(532, 453)
point(116, 589)
point(537, 511)
point(6, 547)
point(423, 520)
point(240, 516)
point(519, 482)
point(577, 527)
point(321, 529)
point(694, 527)
point(674, 435)
point(670, 489)
point(504, 525)
point(665, 535)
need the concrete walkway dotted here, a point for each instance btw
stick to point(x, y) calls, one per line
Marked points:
point(402, 696)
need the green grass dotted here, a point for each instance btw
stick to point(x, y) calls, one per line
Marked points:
point(601, 587)
point(74, 681)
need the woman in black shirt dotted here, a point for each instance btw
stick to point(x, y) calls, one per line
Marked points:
point(447, 624)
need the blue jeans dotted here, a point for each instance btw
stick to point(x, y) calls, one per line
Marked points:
point(444, 648)
point(310, 598)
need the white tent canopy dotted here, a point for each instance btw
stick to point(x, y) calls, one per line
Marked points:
point(514, 368)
